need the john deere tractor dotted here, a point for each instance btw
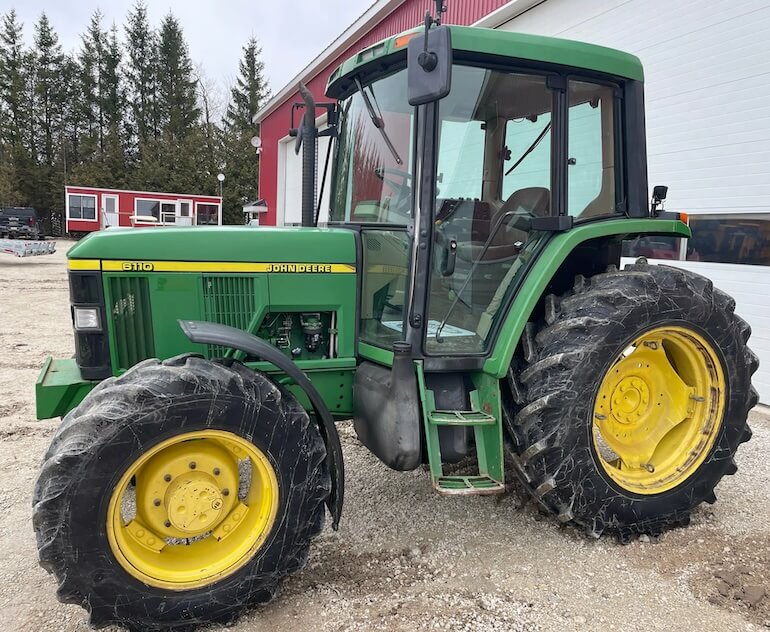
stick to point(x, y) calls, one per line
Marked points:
point(466, 298)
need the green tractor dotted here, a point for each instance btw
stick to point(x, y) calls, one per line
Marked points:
point(466, 299)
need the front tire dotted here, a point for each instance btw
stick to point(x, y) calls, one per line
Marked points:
point(627, 404)
point(179, 493)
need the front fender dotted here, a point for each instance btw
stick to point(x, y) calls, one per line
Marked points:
point(202, 332)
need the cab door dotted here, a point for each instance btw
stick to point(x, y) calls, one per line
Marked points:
point(493, 177)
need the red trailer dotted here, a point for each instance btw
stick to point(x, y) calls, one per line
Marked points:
point(89, 209)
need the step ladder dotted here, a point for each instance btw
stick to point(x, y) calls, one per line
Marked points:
point(485, 419)
point(22, 248)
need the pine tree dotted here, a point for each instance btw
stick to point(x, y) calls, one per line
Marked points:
point(48, 89)
point(113, 105)
point(242, 162)
point(91, 59)
point(73, 126)
point(113, 98)
point(176, 85)
point(49, 95)
point(12, 81)
point(15, 108)
point(141, 50)
point(250, 89)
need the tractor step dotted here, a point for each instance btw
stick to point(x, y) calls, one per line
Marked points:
point(461, 418)
point(468, 485)
point(484, 419)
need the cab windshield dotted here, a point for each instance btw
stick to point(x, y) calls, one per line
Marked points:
point(374, 165)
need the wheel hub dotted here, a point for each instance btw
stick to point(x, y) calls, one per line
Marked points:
point(630, 400)
point(195, 503)
point(187, 490)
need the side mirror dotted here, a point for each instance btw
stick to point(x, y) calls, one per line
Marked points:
point(429, 65)
point(659, 193)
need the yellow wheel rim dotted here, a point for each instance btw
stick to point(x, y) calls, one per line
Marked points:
point(658, 410)
point(192, 509)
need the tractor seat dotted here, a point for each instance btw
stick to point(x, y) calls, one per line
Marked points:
point(535, 200)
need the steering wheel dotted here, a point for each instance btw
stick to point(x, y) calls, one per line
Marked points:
point(402, 190)
point(518, 219)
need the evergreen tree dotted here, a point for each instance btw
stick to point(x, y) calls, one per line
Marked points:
point(102, 107)
point(113, 97)
point(48, 89)
point(44, 189)
point(15, 110)
point(141, 50)
point(73, 120)
point(250, 89)
point(242, 162)
point(113, 105)
point(91, 60)
point(176, 95)
point(12, 93)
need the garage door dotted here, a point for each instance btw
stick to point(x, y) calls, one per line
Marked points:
point(707, 68)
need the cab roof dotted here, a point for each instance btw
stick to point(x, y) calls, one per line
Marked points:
point(536, 48)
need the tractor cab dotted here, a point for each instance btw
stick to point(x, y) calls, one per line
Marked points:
point(461, 155)
point(452, 197)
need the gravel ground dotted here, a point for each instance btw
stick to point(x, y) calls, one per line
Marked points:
point(404, 558)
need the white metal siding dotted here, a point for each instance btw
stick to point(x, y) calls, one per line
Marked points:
point(290, 179)
point(742, 283)
point(707, 84)
point(707, 87)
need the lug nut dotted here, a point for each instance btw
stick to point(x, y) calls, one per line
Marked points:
point(225, 492)
point(156, 502)
point(192, 465)
point(167, 478)
point(167, 524)
point(216, 471)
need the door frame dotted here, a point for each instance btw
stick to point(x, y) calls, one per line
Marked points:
point(189, 215)
point(103, 213)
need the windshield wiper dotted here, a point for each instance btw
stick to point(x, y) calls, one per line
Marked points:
point(530, 149)
point(379, 123)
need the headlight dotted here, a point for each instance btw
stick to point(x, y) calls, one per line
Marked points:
point(87, 319)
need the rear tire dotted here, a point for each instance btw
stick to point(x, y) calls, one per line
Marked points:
point(107, 434)
point(557, 375)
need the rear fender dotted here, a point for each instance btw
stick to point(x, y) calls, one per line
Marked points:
point(550, 265)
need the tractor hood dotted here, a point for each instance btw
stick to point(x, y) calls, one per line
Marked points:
point(221, 243)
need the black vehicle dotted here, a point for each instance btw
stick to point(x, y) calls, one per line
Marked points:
point(21, 222)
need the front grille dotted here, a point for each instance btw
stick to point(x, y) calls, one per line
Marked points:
point(131, 316)
point(228, 300)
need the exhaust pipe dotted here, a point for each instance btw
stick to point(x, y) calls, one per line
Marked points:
point(308, 134)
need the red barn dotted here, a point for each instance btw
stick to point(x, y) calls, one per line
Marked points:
point(280, 169)
point(89, 209)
